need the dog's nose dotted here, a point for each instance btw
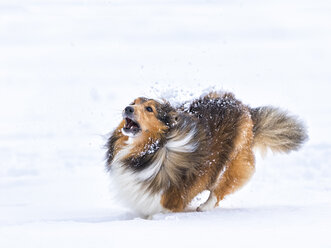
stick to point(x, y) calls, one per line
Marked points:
point(129, 110)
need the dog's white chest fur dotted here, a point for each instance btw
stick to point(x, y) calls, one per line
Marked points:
point(132, 186)
point(133, 191)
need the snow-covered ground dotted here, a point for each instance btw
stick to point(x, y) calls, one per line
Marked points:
point(67, 69)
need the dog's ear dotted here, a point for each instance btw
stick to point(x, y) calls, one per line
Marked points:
point(166, 113)
point(176, 117)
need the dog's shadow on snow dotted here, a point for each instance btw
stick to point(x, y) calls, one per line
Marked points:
point(219, 213)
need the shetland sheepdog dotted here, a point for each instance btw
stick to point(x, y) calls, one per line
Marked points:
point(160, 156)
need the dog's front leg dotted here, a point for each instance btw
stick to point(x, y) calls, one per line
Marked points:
point(173, 199)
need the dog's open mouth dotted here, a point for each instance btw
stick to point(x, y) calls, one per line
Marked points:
point(131, 127)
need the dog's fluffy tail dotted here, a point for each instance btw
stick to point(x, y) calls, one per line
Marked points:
point(277, 130)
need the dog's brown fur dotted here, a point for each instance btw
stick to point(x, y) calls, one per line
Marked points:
point(221, 158)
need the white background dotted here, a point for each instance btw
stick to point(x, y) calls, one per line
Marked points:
point(68, 68)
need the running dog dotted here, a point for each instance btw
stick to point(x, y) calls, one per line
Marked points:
point(160, 156)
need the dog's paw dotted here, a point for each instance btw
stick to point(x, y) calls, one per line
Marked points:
point(209, 204)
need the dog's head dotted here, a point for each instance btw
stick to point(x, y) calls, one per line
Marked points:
point(147, 117)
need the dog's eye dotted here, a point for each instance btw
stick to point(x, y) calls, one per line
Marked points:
point(149, 109)
point(132, 103)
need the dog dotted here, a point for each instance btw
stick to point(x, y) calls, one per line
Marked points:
point(160, 156)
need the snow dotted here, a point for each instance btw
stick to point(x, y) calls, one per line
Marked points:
point(68, 68)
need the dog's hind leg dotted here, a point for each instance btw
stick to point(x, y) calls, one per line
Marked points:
point(237, 174)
